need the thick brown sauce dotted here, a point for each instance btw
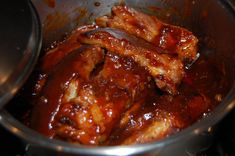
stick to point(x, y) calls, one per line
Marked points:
point(202, 89)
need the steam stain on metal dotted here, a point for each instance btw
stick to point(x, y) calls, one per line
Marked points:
point(55, 21)
point(97, 4)
point(81, 12)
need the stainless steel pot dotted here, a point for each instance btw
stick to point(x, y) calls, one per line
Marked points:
point(212, 20)
point(20, 42)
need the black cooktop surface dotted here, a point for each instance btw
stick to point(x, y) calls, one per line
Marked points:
point(224, 144)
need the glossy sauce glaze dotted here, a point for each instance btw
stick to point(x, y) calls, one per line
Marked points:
point(201, 90)
point(95, 91)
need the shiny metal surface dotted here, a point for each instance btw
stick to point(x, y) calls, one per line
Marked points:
point(20, 40)
point(218, 26)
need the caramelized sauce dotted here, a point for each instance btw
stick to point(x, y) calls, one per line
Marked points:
point(114, 100)
point(197, 97)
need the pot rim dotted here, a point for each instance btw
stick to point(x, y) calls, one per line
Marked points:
point(203, 125)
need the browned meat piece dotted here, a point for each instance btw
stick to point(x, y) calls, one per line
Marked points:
point(157, 130)
point(55, 55)
point(174, 39)
point(78, 64)
point(166, 70)
point(89, 112)
point(88, 116)
point(90, 96)
point(147, 121)
point(139, 125)
point(127, 116)
point(125, 73)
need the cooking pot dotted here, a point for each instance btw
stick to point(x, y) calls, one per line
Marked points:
point(213, 21)
point(20, 41)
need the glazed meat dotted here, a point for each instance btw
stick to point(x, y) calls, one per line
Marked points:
point(157, 130)
point(88, 115)
point(55, 55)
point(173, 39)
point(167, 71)
point(90, 110)
point(78, 64)
point(157, 118)
point(124, 72)
point(123, 82)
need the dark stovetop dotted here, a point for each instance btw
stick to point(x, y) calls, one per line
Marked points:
point(224, 144)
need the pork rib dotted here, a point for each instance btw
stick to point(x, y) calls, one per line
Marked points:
point(88, 113)
point(173, 39)
point(62, 49)
point(167, 71)
point(89, 116)
point(78, 63)
point(125, 73)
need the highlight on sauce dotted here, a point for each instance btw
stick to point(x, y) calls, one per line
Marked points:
point(127, 79)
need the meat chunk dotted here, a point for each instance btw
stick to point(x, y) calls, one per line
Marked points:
point(78, 64)
point(155, 131)
point(166, 70)
point(55, 55)
point(88, 113)
point(140, 125)
point(125, 73)
point(98, 86)
point(171, 38)
point(88, 117)
point(155, 119)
